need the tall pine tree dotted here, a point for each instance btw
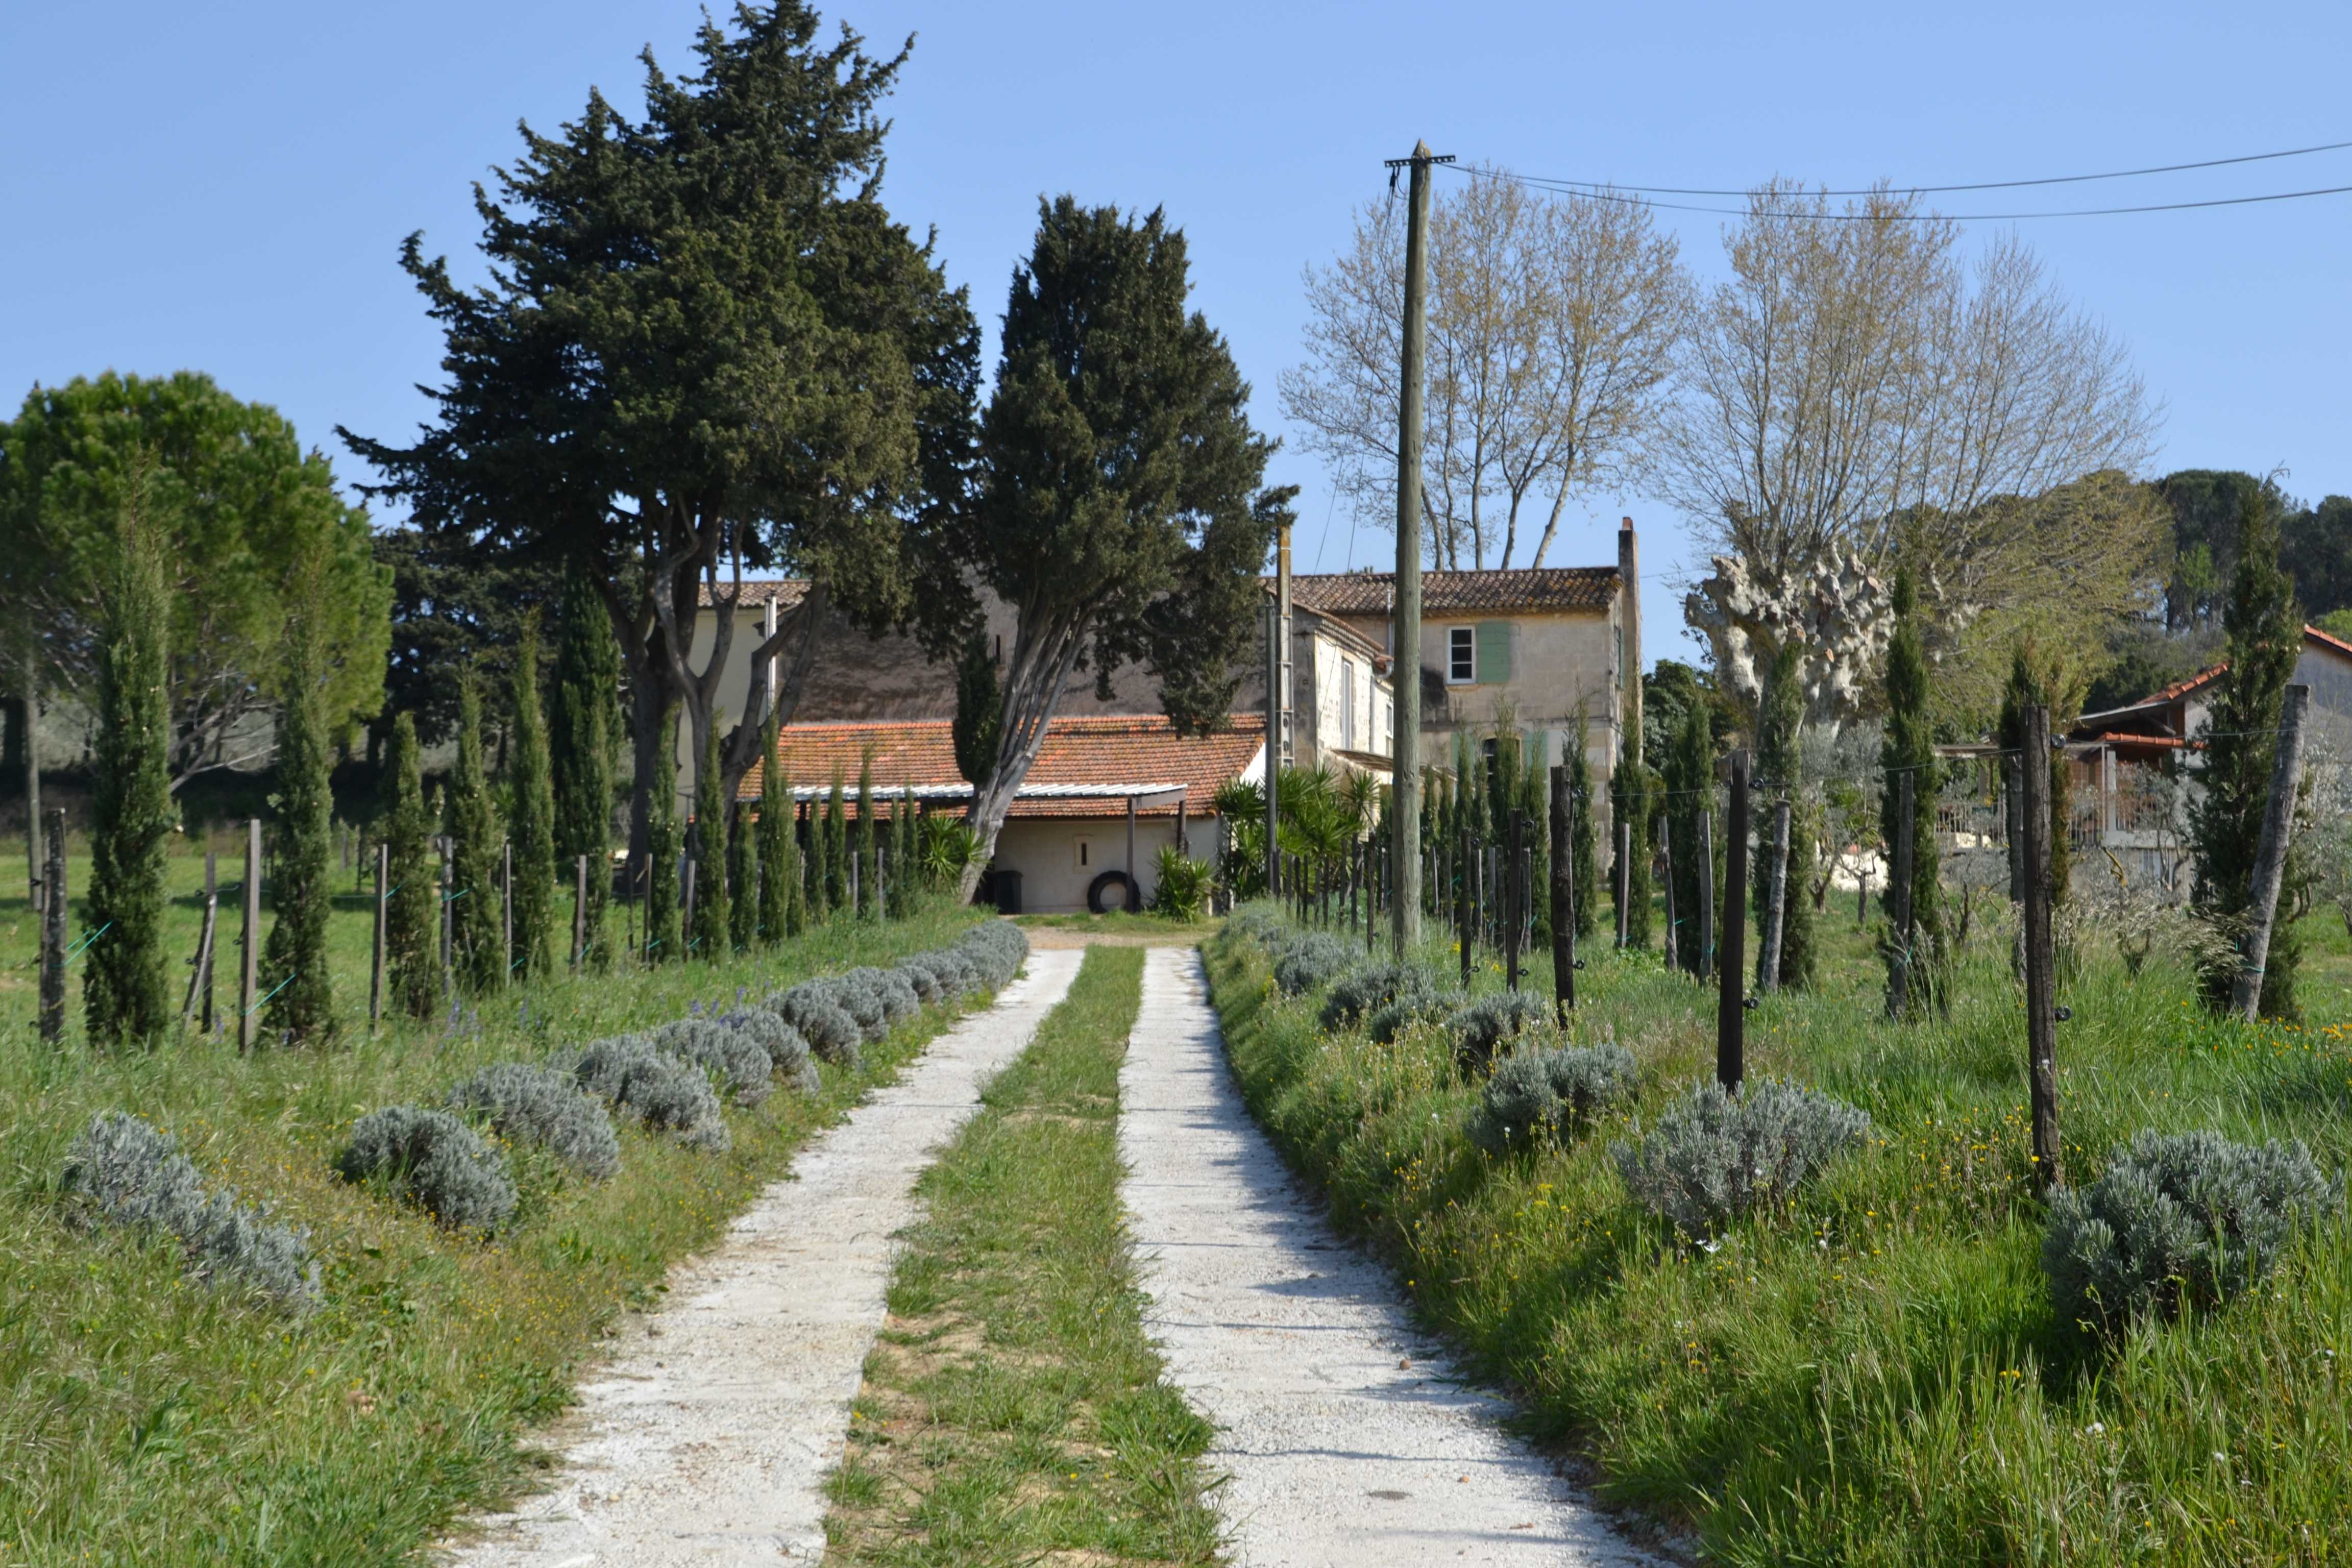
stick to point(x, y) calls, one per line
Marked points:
point(530, 823)
point(710, 934)
point(294, 961)
point(663, 941)
point(477, 911)
point(2264, 630)
point(125, 990)
point(581, 730)
point(1909, 748)
point(412, 938)
point(1780, 761)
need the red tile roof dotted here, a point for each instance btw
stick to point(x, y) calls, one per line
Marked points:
point(1541, 588)
point(786, 592)
point(1109, 750)
point(2311, 634)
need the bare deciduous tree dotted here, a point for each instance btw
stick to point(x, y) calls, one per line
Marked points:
point(1552, 326)
point(1860, 392)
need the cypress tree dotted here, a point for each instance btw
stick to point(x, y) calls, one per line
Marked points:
point(979, 711)
point(2264, 638)
point(1781, 759)
point(126, 991)
point(531, 823)
point(1689, 794)
point(582, 727)
point(1586, 868)
point(711, 927)
point(294, 972)
point(663, 941)
point(779, 869)
point(477, 918)
point(410, 934)
point(744, 883)
point(869, 905)
point(1910, 747)
point(804, 852)
point(837, 850)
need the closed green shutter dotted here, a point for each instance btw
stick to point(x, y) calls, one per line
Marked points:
point(1494, 652)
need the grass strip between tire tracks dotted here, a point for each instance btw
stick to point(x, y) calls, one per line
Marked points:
point(1013, 1409)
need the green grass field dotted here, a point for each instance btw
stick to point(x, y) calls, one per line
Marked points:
point(1874, 1375)
point(1013, 1411)
point(145, 1419)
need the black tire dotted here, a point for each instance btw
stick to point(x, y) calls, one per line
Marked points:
point(1107, 880)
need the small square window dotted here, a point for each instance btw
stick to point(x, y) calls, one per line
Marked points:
point(1084, 855)
point(1462, 654)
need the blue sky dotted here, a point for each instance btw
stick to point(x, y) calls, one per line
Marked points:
point(224, 187)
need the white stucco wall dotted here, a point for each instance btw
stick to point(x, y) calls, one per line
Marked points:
point(1044, 850)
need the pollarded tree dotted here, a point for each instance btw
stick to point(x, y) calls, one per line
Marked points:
point(663, 942)
point(411, 936)
point(1120, 514)
point(711, 928)
point(580, 745)
point(477, 918)
point(2265, 626)
point(294, 968)
point(706, 347)
point(125, 990)
point(1909, 750)
point(780, 865)
point(530, 820)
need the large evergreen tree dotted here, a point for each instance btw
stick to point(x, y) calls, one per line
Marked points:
point(1780, 763)
point(1585, 866)
point(580, 745)
point(712, 930)
point(1909, 748)
point(1120, 514)
point(125, 990)
point(1688, 790)
point(412, 937)
point(530, 822)
point(662, 941)
point(705, 344)
point(2240, 736)
point(980, 709)
point(295, 971)
point(477, 911)
point(779, 869)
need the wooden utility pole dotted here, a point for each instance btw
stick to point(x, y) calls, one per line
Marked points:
point(53, 928)
point(1776, 891)
point(249, 982)
point(1706, 888)
point(1898, 892)
point(2040, 960)
point(1404, 636)
point(1731, 967)
point(2270, 860)
point(1563, 896)
point(1273, 748)
point(383, 918)
point(580, 915)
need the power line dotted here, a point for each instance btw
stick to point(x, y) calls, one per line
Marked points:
point(1909, 217)
point(1980, 186)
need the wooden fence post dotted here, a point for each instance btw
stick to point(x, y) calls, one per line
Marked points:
point(1622, 877)
point(2270, 860)
point(506, 910)
point(207, 1022)
point(202, 962)
point(1563, 896)
point(382, 919)
point(2041, 965)
point(1731, 1000)
point(53, 930)
point(249, 984)
point(580, 916)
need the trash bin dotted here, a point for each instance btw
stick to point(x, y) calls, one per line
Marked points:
point(1004, 887)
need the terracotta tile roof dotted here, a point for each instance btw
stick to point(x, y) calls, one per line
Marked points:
point(2180, 689)
point(1544, 588)
point(786, 590)
point(1095, 751)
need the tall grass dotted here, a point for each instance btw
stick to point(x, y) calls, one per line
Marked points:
point(147, 1418)
point(1872, 1375)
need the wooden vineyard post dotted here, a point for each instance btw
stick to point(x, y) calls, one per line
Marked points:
point(506, 910)
point(1563, 898)
point(580, 915)
point(2040, 960)
point(53, 930)
point(207, 1021)
point(1731, 967)
point(200, 965)
point(1623, 876)
point(249, 982)
point(383, 918)
point(2270, 860)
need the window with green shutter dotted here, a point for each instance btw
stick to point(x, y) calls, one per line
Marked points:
point(1494, 652)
